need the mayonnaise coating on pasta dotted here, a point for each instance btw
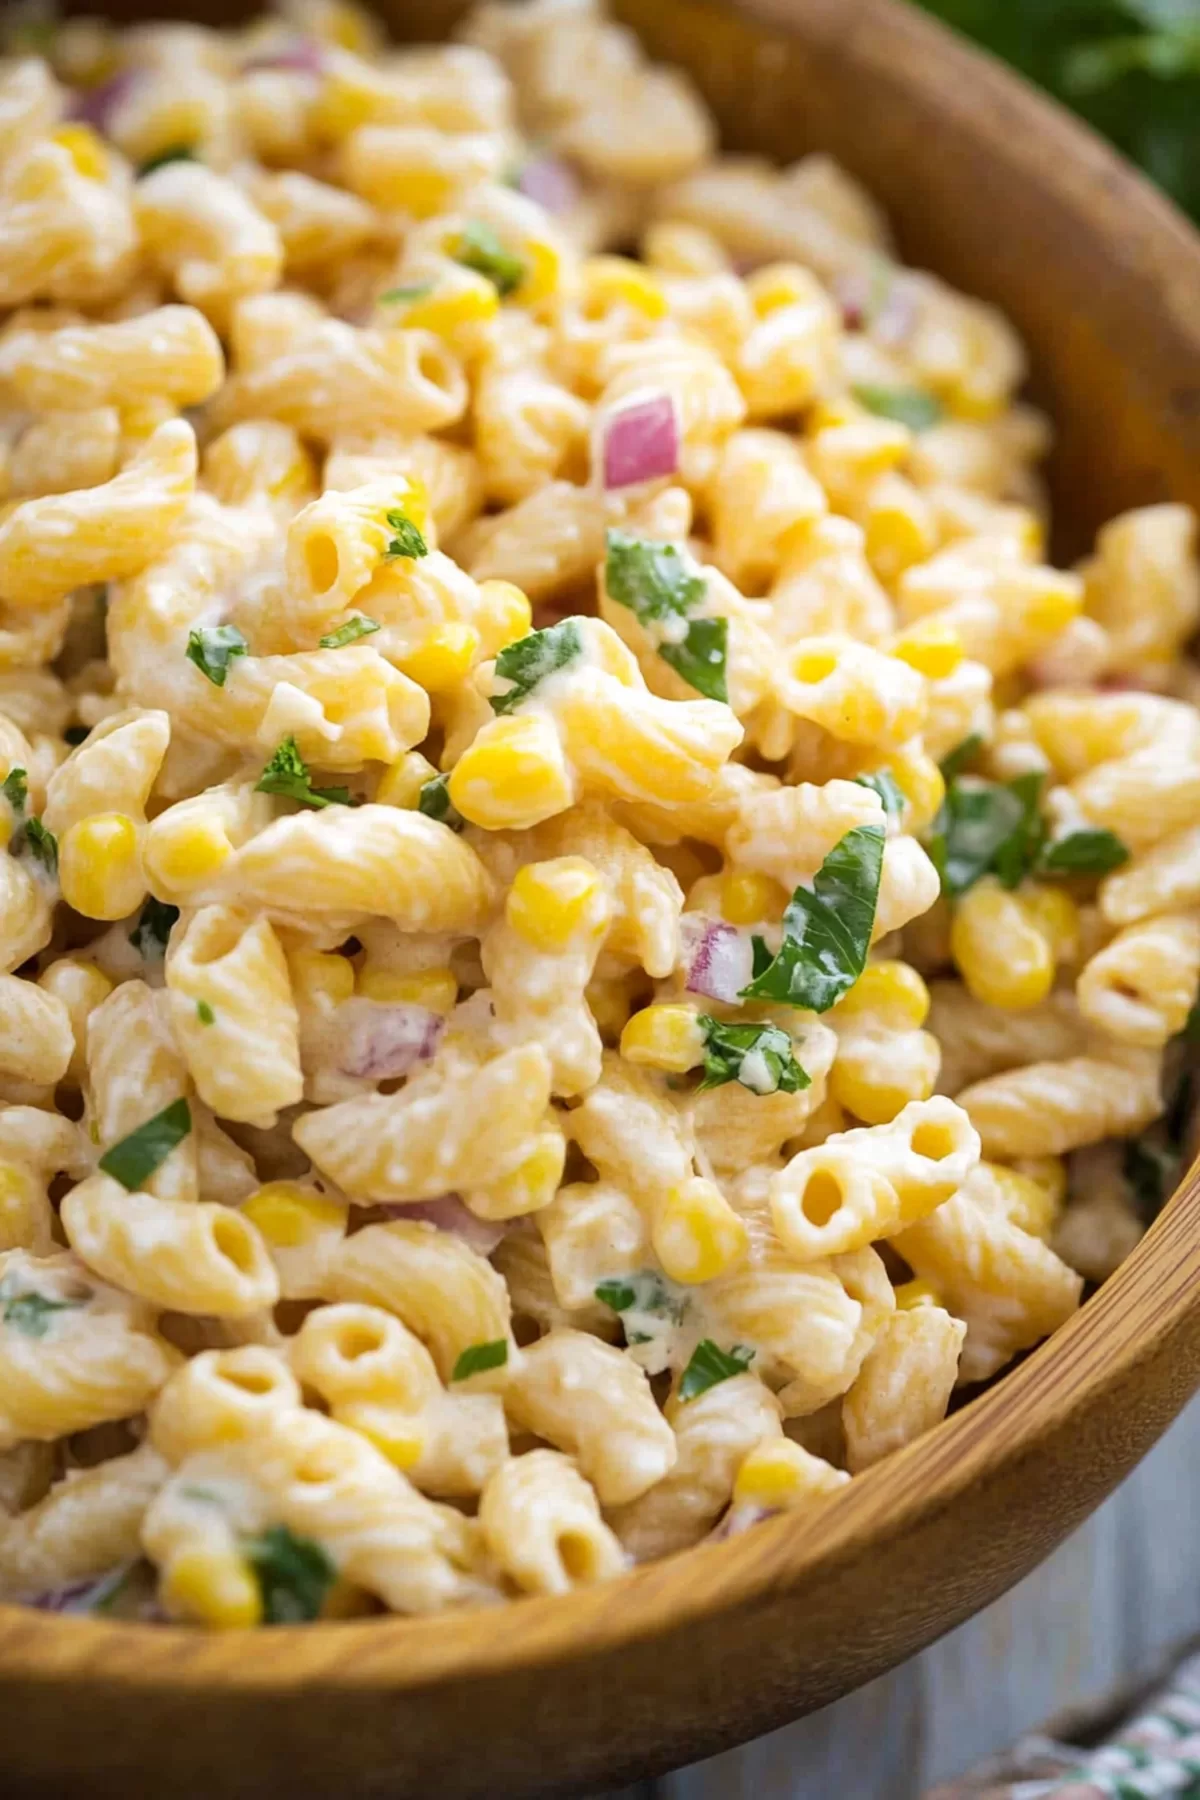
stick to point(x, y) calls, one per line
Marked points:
point(588, 928)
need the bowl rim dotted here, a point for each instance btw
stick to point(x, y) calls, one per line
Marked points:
point(1131, 1321)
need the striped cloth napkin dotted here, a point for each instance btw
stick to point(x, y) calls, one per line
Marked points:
point(1152, 1754)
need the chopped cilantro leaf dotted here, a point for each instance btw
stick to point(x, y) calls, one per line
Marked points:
point(827, 928)
point(31, 1313)
point(406, 539)
point(434, 801)
point(417, 290)
point(16, 790)
point(1083, 852)
point(149, 936)
point(133, 1159)
point(294, 1575)
point(961, 755)
point(710, 1364)
point(357, 627)
point(480, 249)
point(287, 774)
point(760, 1057)
point(884, 783)
point(532, 658)
point(910, 406)
point(211, 648)
point(661, 588)
point(174, 153)
point(205, 1013)
point(986, 827)
point(43, 845)
point(477, 1358)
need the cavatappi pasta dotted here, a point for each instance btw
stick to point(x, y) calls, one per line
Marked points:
point(588, 928)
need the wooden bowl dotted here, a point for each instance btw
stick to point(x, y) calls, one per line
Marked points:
point(1007, 197)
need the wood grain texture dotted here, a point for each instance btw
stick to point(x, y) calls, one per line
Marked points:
point(1097, 1619)
point(685, 1657)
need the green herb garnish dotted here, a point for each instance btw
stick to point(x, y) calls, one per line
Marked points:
point(961, 756)
point(30, 1314)
point(986, 827)
point(287, 774)
point(419, 290)
point(532, 658)
point(434, 801)
point(644, 1292)
point(883, 783)
point(662, 589)
point(1152, 1171)
point(759, 1057)
point(15, 789)
point(827, 928)
point(710, 1364)
point(349, 633)
point(910, 406)
point(205, 1013)
point(294, 1575)
point(1084, 852)
point(406, 539)
point(175, 153)
point(477, 1358)
point(149, 936)
point(480, 249)
point(211, 648)
point(133, 1159)
point(43, 845)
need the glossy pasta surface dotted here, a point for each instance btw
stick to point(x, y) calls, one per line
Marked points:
point(589, 931)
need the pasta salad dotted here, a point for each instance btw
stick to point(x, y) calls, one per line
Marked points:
point(589, 930)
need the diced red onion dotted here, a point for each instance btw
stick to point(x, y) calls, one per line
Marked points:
point(305, 55)
point(95, 106)
point(449, 1213)
point(381, 1041)
point(140, 1600)
point(551, 182)
point(640, 442)
point(719, 958)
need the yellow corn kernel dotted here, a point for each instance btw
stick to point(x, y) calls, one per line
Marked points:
point(188, 854)
point(777, 285)
point(435, 988)
point(1059, 601)
point(100, 867)
point(6, 828)
point(930, 647)
point(891, 990)
point(397, 1434)
point(320, 975)
point(472, 300)
point(350, 28)
point(543, 272)
point(697, 1235)
point(445, 657)
point(514, 774)
point(85, 149)
point(1054, 913)
point(288, 1215)
point(615, 280)
point(922, 784)
point(344, 103)
point(1029, 1204)
point(421, 192)
point(549, 901)
point(663, 1037)
point(411, 497)
point(504, 615)
point(916, 1293)
point(775, 1475)
point(1002, 957)
point(747, 897)
point(533, 1184)
point(214, 1586)
point(875, 1088)
point(402, 783)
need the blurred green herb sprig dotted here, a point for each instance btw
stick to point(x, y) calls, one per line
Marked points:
point(1131, 68)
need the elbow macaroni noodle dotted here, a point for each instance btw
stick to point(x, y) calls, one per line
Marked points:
point(552, 812)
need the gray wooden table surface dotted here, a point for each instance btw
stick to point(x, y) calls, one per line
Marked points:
point(1097, 1616)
